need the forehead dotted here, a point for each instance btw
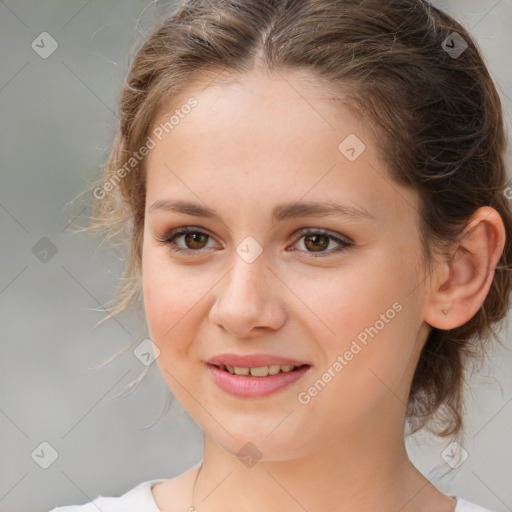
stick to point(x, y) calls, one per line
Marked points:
point(255, 137)
point(239, 101)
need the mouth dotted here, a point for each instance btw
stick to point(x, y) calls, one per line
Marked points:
point(259, 371)
point(255, 381)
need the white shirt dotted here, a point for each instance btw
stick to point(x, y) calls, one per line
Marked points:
point(140, 499)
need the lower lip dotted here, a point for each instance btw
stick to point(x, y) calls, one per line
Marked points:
point(252, 387)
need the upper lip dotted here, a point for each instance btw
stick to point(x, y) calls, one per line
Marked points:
point(252, 360)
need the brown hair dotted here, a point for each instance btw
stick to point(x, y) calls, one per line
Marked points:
point(436, 117)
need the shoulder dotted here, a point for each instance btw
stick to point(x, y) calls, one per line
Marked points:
point(137, 499)
point(466, 506)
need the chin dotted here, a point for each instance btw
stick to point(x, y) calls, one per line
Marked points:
point(256, 444)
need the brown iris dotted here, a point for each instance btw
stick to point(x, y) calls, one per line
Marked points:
point(314, 238)
point(194, 238)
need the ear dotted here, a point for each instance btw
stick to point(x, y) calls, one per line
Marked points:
point(460, 284)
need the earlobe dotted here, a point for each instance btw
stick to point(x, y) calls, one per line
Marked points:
point(462, 282)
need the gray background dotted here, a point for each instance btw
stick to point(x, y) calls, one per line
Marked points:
point(57, 123)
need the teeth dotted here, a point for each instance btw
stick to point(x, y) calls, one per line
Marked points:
point(259, 371)
point(274, 369)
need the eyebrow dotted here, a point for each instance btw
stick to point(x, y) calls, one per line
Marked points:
point(279, 213)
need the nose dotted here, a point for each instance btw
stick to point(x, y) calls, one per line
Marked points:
point(248, 299)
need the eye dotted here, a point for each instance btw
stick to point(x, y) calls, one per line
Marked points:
point(318, 240)
point(194, 239)
point(315, 241)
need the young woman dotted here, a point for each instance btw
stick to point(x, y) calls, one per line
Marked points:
point(315, 196)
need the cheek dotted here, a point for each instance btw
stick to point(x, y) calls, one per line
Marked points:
point(345, 303)
point(165, 300)
point(172, 322)
point(370, 318)
point(175, 303)
point(169, 311)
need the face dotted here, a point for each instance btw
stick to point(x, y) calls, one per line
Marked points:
point(337, 294)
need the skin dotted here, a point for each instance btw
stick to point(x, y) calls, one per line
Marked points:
point(247, 146)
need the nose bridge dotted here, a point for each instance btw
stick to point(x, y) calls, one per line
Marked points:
point(247, 278)
point(247, 297)
point(249, 266)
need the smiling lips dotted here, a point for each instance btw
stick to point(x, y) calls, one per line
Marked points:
point(255, 375)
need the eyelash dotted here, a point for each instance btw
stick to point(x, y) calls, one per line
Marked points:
point(171, 235)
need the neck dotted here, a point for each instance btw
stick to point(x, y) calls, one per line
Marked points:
point(350, 474)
